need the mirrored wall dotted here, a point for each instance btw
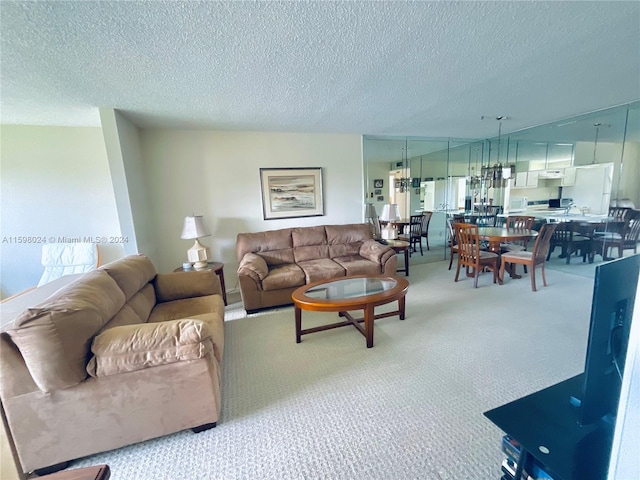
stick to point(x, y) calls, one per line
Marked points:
point(484, 178)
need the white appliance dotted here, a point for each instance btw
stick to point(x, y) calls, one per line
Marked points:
point(592, 189)
point(517, 204)
point(444, 194)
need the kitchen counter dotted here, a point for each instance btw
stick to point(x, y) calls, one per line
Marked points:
point(557, 215)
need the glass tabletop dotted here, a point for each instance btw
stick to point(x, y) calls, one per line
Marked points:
point(350, 288)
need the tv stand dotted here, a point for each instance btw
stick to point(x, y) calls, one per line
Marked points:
point(545, 424)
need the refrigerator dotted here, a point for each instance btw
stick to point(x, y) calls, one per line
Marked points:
point(592, 188)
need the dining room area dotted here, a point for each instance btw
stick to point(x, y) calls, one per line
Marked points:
point(576, 176)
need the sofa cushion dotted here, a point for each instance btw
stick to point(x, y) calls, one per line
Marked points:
point(346, 240)
point(178, 285)
point(321, 269)
point(356, 265)
point(54, 338)
point(131, 273)
point(134, 347)
point(136, 310)
point(274, 246)
point(309, 243)
point(186, 307)
point(284, 276)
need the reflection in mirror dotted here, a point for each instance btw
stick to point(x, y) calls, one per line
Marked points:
point(446, 175)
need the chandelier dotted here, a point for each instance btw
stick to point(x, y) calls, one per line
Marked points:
point(497, 175)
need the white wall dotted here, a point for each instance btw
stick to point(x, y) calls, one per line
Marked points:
point(55, 182)
point(216, 174)
point(122, 139)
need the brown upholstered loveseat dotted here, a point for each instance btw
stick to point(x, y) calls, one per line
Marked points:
point(274, 263)
point(118, 356)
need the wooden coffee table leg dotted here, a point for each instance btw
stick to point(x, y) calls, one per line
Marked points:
point(369, 318)
point(401, 308)
point(298, 314)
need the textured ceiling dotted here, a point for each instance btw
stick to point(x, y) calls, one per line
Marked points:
point(381, 68)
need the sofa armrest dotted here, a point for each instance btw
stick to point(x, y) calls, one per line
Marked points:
point(133, 347)
point(376, 252)
point(253, 266)
point(179, 285)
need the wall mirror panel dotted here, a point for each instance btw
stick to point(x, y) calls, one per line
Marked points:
point(483, 178)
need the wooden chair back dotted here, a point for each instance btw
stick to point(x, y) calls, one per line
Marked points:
point(542, 244)
point(426, 219)
point(620, 214)
point(520, 222)
point(468, 244)
point(632, 235)
point(415, 226)
point(469, 254)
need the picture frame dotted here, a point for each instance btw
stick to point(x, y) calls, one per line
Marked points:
point(415, 182)
point(378, 183)
point(291, 192)
point(378, 191)
point(381, 198)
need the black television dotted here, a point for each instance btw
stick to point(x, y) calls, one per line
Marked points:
point(614, 292)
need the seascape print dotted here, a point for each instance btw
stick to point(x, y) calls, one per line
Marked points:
point(292, 193)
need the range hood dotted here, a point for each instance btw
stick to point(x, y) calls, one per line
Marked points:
point(551, 174)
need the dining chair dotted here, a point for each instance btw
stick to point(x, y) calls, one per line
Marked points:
point(620, 235)
point(572, 237)
point(620, 214)
point(453, 242)
point(517, 222)
point(471, 256)
point(414, 236)
point(537, 256)
point(426, 219)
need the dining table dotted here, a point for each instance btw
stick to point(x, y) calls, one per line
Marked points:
point(497, 235)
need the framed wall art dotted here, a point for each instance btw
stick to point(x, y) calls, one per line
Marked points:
point(291, 192)
point(378, 183)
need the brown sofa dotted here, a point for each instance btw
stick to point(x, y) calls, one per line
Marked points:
point(274, 263)
point(118, 356)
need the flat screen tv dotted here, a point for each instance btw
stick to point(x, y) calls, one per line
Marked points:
point(614, 292)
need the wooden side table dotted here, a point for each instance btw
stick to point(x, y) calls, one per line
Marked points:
point(401, 246)
point(218, 269)
point(99, 472)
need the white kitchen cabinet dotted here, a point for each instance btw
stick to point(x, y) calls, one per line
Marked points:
point(521, 180)
point(569, 178)
point(532, 179)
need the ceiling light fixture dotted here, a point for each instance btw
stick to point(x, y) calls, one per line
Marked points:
point(498, 175)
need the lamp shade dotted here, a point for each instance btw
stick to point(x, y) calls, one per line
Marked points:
point(194, 227)
point(390, 213)
point(370, 211)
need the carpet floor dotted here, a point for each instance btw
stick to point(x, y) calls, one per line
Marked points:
point(409, 408)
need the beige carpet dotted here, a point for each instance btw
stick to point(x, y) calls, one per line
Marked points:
point(411, 407)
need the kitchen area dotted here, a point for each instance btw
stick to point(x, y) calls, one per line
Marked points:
point(577, 167)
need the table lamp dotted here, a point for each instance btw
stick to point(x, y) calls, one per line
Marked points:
point(194, 228)
point(372, 218)
point(390, 214)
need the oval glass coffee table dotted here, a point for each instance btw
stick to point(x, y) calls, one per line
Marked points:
point(359, 292)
